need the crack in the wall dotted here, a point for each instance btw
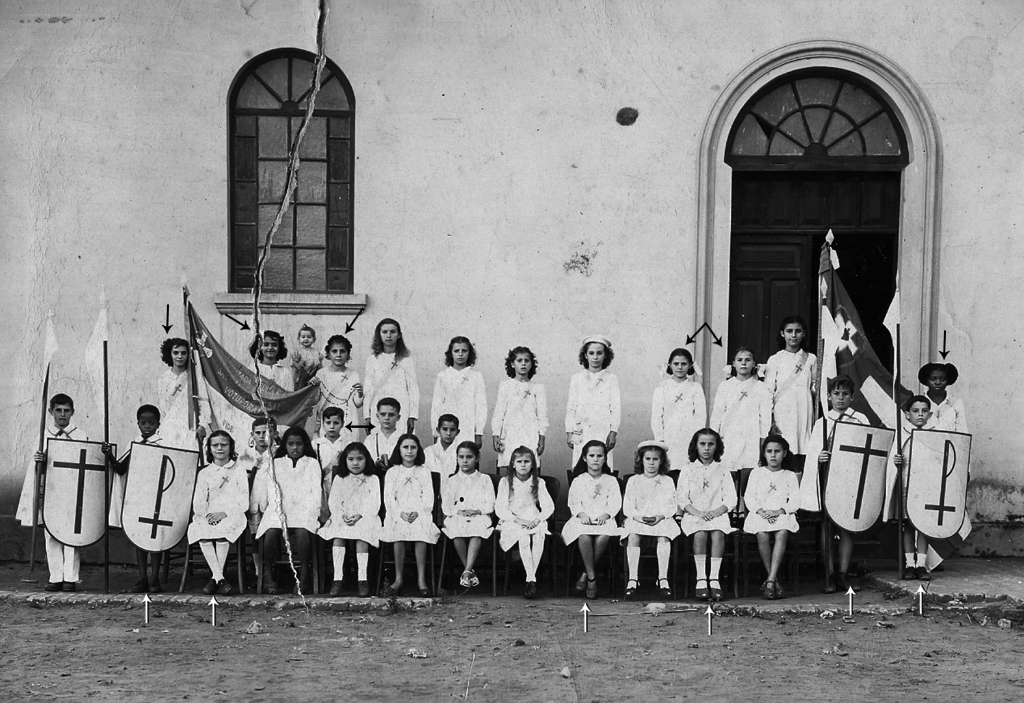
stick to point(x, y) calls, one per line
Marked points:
point(257, 289)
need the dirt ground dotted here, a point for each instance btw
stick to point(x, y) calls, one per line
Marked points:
point(504, 649)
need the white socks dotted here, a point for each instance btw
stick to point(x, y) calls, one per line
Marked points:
point(362, 560)
point(701, 566)
point(909, 556)
point(339, 560)
point(922, 557)
point(633, 561)
point(664, 549)
point(526, 554)
point(716, 566)
point(212, 558)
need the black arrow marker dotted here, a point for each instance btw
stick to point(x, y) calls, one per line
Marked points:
point(240, 323)
point(691, 338)
point(368, 427)
point(944, 352)
point(167, 319)
point(349, 326)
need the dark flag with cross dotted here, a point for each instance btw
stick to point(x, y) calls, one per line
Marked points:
point(937, 483)
point(75, 508)
point(158, 495)
point(855, 491)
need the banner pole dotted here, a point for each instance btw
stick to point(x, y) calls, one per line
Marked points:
point(191, 381)
point(826, 525)
point(37, 472)
point(106, 474)
point(899, 450)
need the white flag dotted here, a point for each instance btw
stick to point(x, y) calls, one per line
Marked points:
point(94, 354)
point(892, 317)
point(50, 346)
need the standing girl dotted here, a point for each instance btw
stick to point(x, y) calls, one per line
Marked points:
point(354, 505)
point(467, 499)
point(339, 385)
point(649, 507)
point(218, 505)
point(948, 411)
point(521, 412)
point(742, 415)
point(306, 360)
point(705, 495)
point(269, 352)
point(288, 496)
point(789, 376)
point(409, 499)
point(594, 408)
point(391, 371)
point(772, 499)
point(594, 501)
point(523, 507)
point(678, 408)
point(459, 390)
point(173, 399)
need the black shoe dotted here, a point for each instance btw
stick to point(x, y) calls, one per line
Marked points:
point(829, 587)
point(210, 588)
point(364, 589)
point(54, 587)
point(70, 586)
point(844, 584)
point(224, 588)
point(155, 587)
point(910, 573)
point(335, 589)
point(141, 586)
point(531, 590)
point(922, 574)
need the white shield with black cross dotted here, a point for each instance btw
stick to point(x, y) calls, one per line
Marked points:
point(855, 488)
point(74, 497)
point(937, 481)
point(158, 495)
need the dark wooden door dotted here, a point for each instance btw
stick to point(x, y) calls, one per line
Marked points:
point(778, 227)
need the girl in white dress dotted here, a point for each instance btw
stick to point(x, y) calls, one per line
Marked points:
point(742, 415)
point(288, 496)
point(173, 399)
point(270, 352)
point(948, 411)
point(219, 503)
point(705, 495)
point(391, 371)
point(467, 500)
point(354, 505)
point(789, 376)
point(521, 411)
point(594, 502)
point(523, 507)
point(340, 386)
point(459, 390)
point(649, 507)
point(678, 408)
point(772, 499)
point(594, 408)
point(409, 500)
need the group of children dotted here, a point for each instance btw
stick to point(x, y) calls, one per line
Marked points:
point(327, 486)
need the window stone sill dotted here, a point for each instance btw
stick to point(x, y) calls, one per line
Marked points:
point(292, 303)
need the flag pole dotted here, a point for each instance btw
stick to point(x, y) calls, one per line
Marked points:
point(106, 473)
point(191, 380)
point(899, 450)
point(37, 472)
point(826, 526)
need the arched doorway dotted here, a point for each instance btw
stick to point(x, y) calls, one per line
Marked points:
point(811, 151)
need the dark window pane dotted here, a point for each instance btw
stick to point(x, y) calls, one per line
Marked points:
point(794, 129)
point(273, 178)
point(245, 246)
point(310, 270)
point(314, 143)
point(244, 279)
point(816, 119)
point(310, 225)
point(312, 182)
point(337, 248)
point(302, 79)
point(836, 129)
point(275, 75)
point(331, 96)
point(338, 204)
point(339, 281)
point(245, 203)
point(245, 158)
point(857, 103)
point(284, 232)
point(339, 158)
point(817, 91)
point(781, 146)
point(254, 96)
point(848, 146)
point(245, 126)
point(880, 137)
point(274, 136)
point(340, 127)
point(776, 105)
point(278, 272)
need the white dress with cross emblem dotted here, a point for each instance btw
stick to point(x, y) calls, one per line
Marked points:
point(336, 390)
point(771, 490)
point(647, 496)
point(705, 488)
point(355, 494)
point(789, 378)
point(219, 489)
point(595, 497)
point(520, 416)
point(743, 416)
point(678, 410)
point(464, 491)
point(515, 500)
point(388, 377)
point(461, 393)
point(408, 489)
point(594, 409)
point(296, 497)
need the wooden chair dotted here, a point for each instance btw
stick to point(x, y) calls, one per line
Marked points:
point(493, 539)
point(194, 557)
point(611, 555)
point(387, 556)
point(648, 555)
point(283, 561)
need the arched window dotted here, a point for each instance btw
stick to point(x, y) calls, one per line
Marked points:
point(312, 250)
point(816, 121)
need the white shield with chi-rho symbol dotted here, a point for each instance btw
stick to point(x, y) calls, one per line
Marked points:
point(937, 481)
point(158, 495)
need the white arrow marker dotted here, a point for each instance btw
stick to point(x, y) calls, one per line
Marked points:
point(710, 613)
point(586, 617)
point(849, 595)
point(920, 600)
point(213, 611)
point(145, 608)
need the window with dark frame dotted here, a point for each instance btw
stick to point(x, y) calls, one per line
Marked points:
point(312, 249)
